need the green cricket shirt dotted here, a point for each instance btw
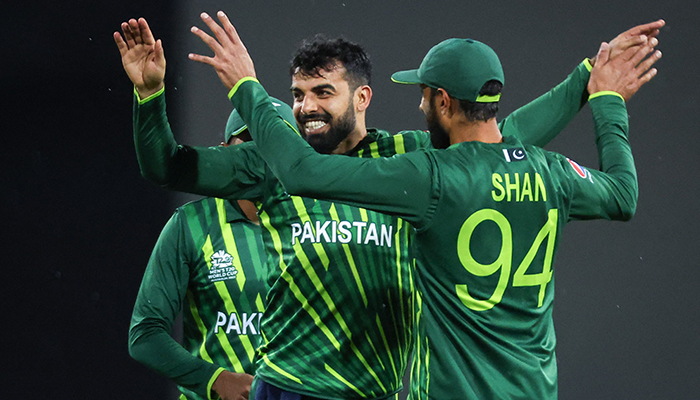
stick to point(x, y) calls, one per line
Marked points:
point(489, 218)
point(209, 263)
point(338, 324)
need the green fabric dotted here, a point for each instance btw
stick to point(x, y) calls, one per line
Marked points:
point(489, 218)
point(208, 263)
point(235, 125)
point(316, 305)
point(460, 66)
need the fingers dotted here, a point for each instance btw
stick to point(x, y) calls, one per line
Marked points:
point(649, 61)
point(646, 77)
point(630, 52)
point(135, 31)
point(210, 41)
point(631, 41)
point(121, 44)
point(145, 30)
point(603, 54)
point(128, 34)
point(202, 59)
point(643, 51)
point(646, 29)
point(229, 28)
point(219, 32)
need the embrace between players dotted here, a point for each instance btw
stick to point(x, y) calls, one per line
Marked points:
point(348, 304)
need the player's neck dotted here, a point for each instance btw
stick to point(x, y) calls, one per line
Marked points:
point(479, 131)
point(355, 137)
point(249, 210)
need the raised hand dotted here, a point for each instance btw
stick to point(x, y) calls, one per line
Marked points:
point(142, 56)
point(231, 59)
point(626, 73)
point(633, 37)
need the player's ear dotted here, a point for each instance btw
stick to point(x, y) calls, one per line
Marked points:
point(443, 103)
point(362, 97)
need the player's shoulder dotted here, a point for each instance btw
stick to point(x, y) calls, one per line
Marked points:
point(198, 208)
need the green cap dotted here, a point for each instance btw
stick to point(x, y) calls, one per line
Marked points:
point(236, 125)
point(460, 66)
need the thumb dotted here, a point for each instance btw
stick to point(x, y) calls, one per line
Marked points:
point(603, 53)
point(159, 53)
point(159, 49)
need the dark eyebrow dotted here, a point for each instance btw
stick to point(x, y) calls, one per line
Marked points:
point(316, 88)
point(322, 87)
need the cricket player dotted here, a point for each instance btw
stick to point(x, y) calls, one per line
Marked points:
point(488, 210)
point(339, 318)
point(209, 262)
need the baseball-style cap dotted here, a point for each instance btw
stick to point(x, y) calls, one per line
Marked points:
point(460, 66)
point(236, 125)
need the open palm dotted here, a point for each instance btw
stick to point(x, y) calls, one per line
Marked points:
point(142, 56)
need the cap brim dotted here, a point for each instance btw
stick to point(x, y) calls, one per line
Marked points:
point(409, 77)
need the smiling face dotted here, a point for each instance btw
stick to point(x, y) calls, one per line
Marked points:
point(324, 108)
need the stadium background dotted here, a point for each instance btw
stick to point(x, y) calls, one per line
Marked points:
point(79, 222)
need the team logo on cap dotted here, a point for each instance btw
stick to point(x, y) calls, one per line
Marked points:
point(580, 171)
point(514, 154)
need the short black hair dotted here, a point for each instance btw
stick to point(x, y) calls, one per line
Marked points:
point(479, 111)
point(321, 53)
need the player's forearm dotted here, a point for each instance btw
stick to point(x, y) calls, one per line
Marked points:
point(205, 171)
point(155, 145)
point(541, 120)
point(156, 349)
point(385, 185)
point(615, 155)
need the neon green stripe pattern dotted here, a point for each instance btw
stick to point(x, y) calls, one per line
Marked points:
point(340, 310)
point(227, 280)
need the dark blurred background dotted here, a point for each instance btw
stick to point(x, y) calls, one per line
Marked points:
point(80, 222)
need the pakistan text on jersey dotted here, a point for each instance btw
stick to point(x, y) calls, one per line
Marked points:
point(511, 188)
point(344, 232)
point(243, 324)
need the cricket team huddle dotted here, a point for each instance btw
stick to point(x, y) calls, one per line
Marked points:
point(328, 259)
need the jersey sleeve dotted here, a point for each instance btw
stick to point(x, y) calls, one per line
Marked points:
point(229, 172)
point(541, 120)
point(158, 303)
point(401, 185)
point(612, 192)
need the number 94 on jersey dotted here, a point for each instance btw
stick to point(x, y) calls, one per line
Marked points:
point(503, 264)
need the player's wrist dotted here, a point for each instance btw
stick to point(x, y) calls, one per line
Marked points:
point(145, 93)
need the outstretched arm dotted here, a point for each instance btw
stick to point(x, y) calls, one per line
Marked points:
point(399, 186)
point(221, 172)
point(612, 192)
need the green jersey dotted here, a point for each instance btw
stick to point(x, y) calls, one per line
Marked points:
point(340, 308)
point(208, 263)
point(489, 218)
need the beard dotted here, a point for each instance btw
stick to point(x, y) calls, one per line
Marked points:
point(339, 129)
point(438, 135)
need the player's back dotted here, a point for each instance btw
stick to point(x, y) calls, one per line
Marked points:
point(485, 272)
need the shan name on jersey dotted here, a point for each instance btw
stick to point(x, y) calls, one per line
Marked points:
point(343, 231)
point(511, 187)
